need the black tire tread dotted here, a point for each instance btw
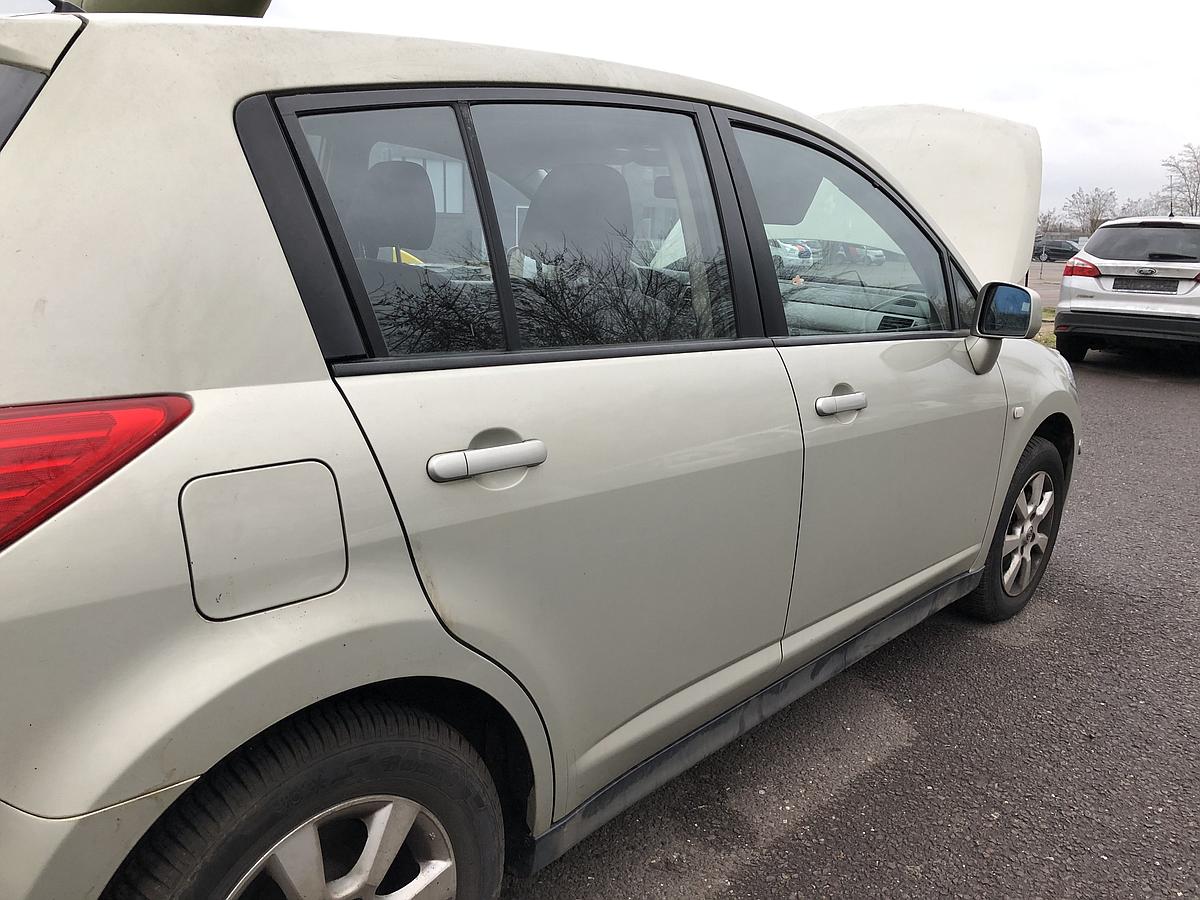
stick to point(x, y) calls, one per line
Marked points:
point(1073, 349)
point(176, 845)
point(984, 602)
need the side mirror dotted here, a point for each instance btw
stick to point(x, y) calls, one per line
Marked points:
point(1008, 311)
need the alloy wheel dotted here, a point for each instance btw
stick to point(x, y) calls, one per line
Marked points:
point(1027, 537)
point(382, 846)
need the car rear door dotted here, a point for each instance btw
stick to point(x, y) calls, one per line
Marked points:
point(593, 448)
point(902, 437)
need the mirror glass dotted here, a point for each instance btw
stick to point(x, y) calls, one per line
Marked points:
point(1006, 311)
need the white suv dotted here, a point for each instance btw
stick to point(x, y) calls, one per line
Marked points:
point(1136, 283)
point(410, 456)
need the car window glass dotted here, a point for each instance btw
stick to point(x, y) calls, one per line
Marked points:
point(17, 89)
point(609, 224)
point(1158, 242)
point(402, 192)
point(848, 260)
point(965, 299)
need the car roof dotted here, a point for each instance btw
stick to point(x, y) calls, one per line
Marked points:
point(1146, 220)
point(388, 59)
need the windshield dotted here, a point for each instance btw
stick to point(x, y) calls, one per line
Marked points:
point(17, 88)
point(1149, 242)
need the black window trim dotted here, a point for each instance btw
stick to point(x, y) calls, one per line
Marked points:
point(372, 355)
point(727, 119)
point(956, 268)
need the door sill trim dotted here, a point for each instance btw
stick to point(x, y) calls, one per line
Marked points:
point(678, 757)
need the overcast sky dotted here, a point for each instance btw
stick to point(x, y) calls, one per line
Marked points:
point(1111, 94)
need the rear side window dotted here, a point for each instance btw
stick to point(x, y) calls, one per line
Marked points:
point(17, 89)
point(400, 185)
point(1154, 242)
point(609, 224)
point(867, 269)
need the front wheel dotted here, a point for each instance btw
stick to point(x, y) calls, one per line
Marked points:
point(355, 799)
point(1024, 537)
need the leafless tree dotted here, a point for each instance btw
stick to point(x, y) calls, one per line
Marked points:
point(1184, 187)
point(1088, 209)
point(1151, 205)
point(1049, 220)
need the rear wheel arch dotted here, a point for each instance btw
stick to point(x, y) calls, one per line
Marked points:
point(488, 727)
point(481, 719)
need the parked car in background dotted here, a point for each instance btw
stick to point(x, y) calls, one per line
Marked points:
point(875, 256)
point(1135, 283)
point(1054, 250)
point(417, 520)
point(810, 250)
point(790, 257)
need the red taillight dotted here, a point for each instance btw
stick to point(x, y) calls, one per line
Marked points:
point(1081, 267)
point(50, 455)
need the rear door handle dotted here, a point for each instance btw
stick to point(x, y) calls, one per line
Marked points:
point(459, 464)
point(828, 406)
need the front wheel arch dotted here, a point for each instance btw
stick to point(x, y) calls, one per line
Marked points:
point(1058, 431)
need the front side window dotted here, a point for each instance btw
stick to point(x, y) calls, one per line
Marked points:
point(609, 224)
point(401, 188)
point(847, 258)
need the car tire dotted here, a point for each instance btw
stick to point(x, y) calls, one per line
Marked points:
point(1002, 593)
point(310, 799)
point(1073, 349)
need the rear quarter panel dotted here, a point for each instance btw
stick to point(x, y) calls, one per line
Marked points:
point(125, 688)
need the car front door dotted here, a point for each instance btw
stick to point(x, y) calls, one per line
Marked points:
point(594, 451)
point(902, 437)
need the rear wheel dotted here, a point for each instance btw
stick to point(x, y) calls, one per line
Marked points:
point(1024, 537)
point(355, 799)
point(1073, 349)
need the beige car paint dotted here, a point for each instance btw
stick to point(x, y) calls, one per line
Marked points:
point(915, 469)
point(135, 692)
point(36, 42)
point(71, 858)
point(651, 553)
point(263, 537)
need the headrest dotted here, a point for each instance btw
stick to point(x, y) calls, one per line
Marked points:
point(579, 210)
point(394, 207)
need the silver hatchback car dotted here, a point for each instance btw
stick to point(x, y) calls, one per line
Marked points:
point(410, 456)
point(1135, 284)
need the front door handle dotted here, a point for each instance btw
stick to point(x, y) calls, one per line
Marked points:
point(459, 464)
point(828, 406)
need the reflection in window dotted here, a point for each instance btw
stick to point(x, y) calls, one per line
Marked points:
point(398, 182)
point(610, 224)
point(964, 299)
point(848, 260)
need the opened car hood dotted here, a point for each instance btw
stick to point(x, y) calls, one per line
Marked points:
point(978, 177)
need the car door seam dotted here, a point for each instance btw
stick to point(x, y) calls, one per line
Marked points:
point(429, 600)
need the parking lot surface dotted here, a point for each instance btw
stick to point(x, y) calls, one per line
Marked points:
point(1055, 755)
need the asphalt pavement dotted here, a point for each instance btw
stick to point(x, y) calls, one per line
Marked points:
point(1054, 755)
